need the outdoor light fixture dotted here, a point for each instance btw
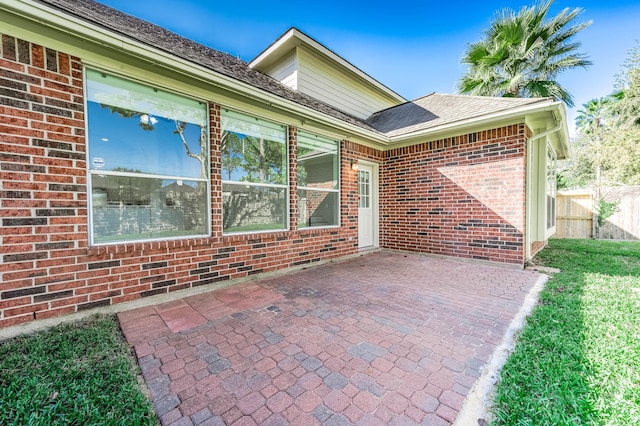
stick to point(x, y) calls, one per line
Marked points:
point(354, 165)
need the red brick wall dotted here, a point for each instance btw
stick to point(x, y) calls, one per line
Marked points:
point(462, 196)
point(47, 268)
point(451, 197)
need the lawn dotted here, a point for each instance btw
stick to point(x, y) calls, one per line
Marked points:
point(80, 373)
point(577, 361)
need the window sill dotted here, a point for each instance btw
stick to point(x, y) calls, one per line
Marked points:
point(140, 246)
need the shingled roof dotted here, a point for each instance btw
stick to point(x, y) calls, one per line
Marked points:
point(214, 60)
point(422, 114)
point(438, 109)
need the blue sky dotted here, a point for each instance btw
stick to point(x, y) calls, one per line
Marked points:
point(413, 47)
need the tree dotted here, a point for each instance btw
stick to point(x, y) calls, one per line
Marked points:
point(522, 54)
point(606, 151)
point(585, 166)
point(594, 114)
point(628, 90)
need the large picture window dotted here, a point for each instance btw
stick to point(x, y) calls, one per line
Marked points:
point(148, 162)
point(318, 181)
point(254, 174)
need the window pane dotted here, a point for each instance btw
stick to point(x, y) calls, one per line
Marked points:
point(317, 208)
point(249, 159)
point(253, 150)
point(317, 161)
point(137, 129)
point(551, 187)
point(129, 95)
point(148, 161)
point(135, 208)
point(253, 208)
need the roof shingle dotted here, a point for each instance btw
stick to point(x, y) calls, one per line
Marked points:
point(439, 109)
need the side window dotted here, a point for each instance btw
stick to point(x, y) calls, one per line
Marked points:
point(255, 174)
point(148, 162)
point(551, 188)
point(318, 181)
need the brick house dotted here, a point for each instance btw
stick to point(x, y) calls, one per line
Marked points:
point(135, 162)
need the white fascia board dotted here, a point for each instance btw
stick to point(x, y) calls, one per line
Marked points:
point(484, 121)
point(59, 20)
point(278, 48)
point(562, 137)
point(295, 37)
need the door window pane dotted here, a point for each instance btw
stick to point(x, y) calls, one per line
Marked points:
point(364, 189)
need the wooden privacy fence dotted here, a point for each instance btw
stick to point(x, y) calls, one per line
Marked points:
point(625, 222)
point(576, 217)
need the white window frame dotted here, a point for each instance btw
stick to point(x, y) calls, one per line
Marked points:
point(90, 172)
point(285, 186)
point(550, 190)
point(327, 190)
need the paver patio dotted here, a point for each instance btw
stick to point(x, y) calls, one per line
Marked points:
point(384, 338)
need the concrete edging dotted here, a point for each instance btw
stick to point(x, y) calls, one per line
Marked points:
point(476, 406)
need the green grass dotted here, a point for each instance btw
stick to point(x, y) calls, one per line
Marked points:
point(577, 361)
point(73, 374)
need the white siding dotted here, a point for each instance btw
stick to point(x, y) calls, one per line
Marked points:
point(285, 71)
point(326, 82)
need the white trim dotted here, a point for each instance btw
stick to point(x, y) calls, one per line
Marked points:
point(256, 184)
point(375, 201)
point(90, 172)
point(294, 37)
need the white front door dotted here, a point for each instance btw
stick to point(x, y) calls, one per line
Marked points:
point(366, 206)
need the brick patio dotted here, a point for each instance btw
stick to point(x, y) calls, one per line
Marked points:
point(384, 338)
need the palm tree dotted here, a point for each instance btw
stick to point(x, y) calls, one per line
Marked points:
point(593, 115)
point(522, 54)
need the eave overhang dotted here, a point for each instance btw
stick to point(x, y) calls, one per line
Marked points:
point(539, 116)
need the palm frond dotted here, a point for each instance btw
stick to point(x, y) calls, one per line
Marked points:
point(523, 52)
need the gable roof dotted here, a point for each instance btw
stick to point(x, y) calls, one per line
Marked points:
point(437, 109)
point(294, 37)
point(160, 38)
